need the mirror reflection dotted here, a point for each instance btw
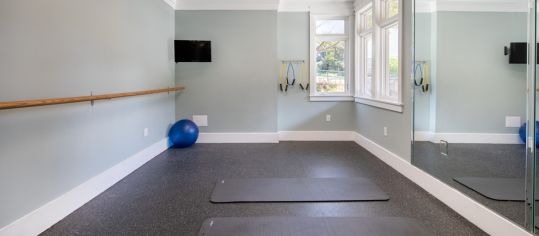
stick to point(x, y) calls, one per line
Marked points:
point(470, 102)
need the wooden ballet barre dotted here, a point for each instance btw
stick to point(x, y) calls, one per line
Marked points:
point(55, 101)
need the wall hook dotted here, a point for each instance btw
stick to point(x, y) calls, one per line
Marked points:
point(92, 101)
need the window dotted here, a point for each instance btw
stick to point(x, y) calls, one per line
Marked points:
point(365, 19)
point(391, 8)
point(329, 66)
point(332, 27)
point(378, 53)
point(366, 47)
point(330, 58)
point(368, 63)
point(391, 62)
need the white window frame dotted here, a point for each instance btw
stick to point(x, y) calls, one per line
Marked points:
point(347, 37)
point(361, 52)
point(380, 46)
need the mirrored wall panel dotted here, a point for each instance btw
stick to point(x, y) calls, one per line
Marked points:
point(471, 102)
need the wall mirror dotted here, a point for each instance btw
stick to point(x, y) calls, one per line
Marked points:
point(471, 101)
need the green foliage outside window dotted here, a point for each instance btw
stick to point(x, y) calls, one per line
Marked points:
point(393, 68)
point(330, 66)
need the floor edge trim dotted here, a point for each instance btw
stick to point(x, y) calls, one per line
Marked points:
point(276, 137)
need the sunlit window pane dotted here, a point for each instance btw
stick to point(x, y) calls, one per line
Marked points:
point(368, 19)
point(330, 66)
point(392, 63)
point(369, 59)
point(392, 8)
point(330, 27)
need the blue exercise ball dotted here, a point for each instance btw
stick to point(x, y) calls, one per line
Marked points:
point(183, 134)
point(522, 132)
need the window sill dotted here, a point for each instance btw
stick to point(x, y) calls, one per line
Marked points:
point(381, 104)
point(345, 98)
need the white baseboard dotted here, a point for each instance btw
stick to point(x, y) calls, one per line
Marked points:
point(49, 214)
point(483, 217)
point(276, 137)
point(316, 135)
point(468, 137)
point(238, 138)
point(425, 136)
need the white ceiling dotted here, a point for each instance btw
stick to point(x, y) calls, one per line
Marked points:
point(281, 5)
point(340, 6)
point(472, 5)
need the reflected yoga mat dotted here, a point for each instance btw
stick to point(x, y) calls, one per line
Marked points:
point(297, 190)
point(313, 226)
point(501, 189)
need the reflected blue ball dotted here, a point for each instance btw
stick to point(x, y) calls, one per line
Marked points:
point(522, 132)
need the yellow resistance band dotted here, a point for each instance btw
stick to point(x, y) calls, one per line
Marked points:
point(305, 86)
point(282, 76)
point(425, 86)
point(427, 73)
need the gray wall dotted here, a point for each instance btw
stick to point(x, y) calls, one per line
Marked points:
point(237, 90)
point(476, 86)
point(372, 120)
point(296, 112)
point(423, 31)
point(60, 48)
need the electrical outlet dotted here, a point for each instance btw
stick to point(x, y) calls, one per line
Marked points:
point(512, 121)
point(328, 118)
point(201, 120)
point(146, 132)
point(385, 131)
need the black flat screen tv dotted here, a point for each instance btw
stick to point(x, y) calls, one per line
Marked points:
point(192, 51)
point(518, 53)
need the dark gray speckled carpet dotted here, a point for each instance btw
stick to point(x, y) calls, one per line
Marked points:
point(170, 195)
point(313, 226)
point(296, 190)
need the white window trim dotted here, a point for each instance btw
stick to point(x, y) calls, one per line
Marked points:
point(378, 99)
point(379, 103)
point(348, 95)
point(360, 53)
point(346, 98)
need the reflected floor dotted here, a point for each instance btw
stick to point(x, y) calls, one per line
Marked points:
point(476, 160)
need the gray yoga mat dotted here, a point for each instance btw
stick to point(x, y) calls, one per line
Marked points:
point(502, 189)
point(297, 190)
point(313, 226)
